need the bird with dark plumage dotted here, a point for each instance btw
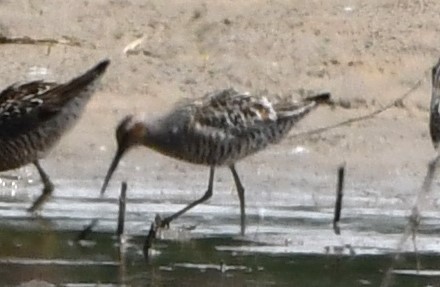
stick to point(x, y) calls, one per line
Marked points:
point(434, 118)
point(34, 116)
point(218, 129)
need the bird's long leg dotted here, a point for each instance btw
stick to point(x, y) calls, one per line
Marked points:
point(240, 191)
point(47, 189)
point(166, 221)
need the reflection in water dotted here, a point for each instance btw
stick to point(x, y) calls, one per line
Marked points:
point(51, 256)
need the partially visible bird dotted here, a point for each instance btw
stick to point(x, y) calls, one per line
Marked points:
point(34, 116)
point(218, 129)
point(434, 118)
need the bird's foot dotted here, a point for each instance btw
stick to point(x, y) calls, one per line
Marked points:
point(45, 195)
point(158, 224)
point(36, 206)
point(162, 223)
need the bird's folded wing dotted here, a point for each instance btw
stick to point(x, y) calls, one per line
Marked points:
point(228, 113)
point(23, 107)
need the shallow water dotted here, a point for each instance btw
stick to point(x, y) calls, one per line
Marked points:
point(52, 256)
point(285, 244)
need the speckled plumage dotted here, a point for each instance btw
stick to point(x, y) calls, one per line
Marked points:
point(218, 129)
point(434, 119)
point(224, 127)
point(34, 116)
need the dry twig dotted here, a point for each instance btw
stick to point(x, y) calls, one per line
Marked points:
point(68, 41)
point(364, 117)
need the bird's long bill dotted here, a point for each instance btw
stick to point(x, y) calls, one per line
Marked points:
point(112, 168)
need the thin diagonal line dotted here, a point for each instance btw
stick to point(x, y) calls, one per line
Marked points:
point(364, 117)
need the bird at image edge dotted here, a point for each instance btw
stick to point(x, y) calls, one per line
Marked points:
point(218, 129)
point(34, 116)
point(434, 116)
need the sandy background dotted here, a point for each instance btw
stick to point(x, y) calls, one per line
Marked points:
point(366, 53)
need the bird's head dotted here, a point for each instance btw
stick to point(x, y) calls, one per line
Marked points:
point(130, 132)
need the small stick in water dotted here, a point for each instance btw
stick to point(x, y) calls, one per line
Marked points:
point(121, 216)
point(338, 203)
point(87, 230)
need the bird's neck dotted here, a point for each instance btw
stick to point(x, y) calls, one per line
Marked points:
point(158, 138)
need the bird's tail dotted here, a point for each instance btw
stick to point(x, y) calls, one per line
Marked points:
point(289, 114)
point(298, 111)
point(324, 98)
point(81, 85)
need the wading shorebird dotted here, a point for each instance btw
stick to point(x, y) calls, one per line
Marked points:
point(34, 116)
point(218, 129)
point(434, 117)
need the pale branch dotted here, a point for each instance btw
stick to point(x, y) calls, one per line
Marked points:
point(364, 117)
point(26, 40)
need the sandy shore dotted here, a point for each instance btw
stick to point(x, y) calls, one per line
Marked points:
point(365, 53)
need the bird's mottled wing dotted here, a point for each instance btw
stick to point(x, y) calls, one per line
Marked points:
point(228, 113)
point(25, 107)
point(22, 106)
